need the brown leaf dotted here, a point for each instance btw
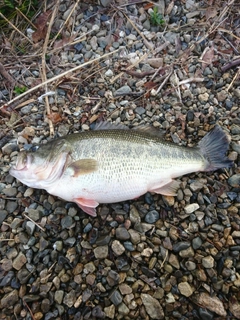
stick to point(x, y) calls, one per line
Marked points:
point(148, 5)
point(211, 12)
point(169, 8)
point(63, 42)
point(41, 25)
point(55, 117)
point(207, 57)
point(150, 85)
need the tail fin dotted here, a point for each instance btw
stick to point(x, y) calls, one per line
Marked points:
point(214, 147)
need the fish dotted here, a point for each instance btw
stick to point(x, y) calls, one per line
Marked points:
point(113, 164)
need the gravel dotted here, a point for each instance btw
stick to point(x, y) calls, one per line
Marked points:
point(156, 257)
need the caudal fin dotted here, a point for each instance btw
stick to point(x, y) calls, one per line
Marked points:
point(214, 147)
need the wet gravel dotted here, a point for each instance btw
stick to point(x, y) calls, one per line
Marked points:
point(157, 257)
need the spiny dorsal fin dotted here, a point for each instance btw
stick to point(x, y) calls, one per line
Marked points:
point(144, 128)
point(106, 125)
point(83, 166)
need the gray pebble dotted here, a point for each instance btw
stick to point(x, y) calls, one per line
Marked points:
point(180, 246)
point(122, 233)
point(115, 297)
point(152, 216)
point(123, 91)
point(66, 222)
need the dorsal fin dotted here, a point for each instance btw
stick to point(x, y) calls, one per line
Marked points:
point(145, 128)
point(106, 125)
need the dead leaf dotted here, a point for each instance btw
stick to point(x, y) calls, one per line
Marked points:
point(41, 25)
point(211, 12)
point(150, 85)
point(55, 117)
point(207, 57)
point(63, 42)
point(169, 8)
point(148, 5)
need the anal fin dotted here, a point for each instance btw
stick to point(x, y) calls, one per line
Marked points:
point(87, 205)
point(168, 189)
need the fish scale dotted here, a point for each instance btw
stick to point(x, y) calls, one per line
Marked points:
point(113, 164)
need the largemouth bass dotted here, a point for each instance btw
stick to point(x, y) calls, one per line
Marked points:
point(113, 164)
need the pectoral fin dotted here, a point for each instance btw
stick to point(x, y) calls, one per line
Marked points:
point(87, 205)
point(83, 166)
point(168, 189)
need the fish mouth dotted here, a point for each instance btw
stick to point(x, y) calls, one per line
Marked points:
point(22, 163)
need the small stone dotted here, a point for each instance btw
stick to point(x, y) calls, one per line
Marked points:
point(30, 227)
point(3, 214)
point(125, 288)
point(134, 215)
point(122, 233)
point(203, 97)
point(109, 73)
point(110, 311)
point(101, 252)
point(66, 222)
point(152, 216)
point(123, 91)
point(135, 236)
point(89, 267)
point(196, 186)
point(212, 303)
point(181, 246)
point(185, 289)
point(9, 299)
point(123, 309)
point(19, 261)
point(152, 306)
point(208, 262)
point(10, 192)
point(43, 244)
point(116, 297)
point(34, 214)
point(58, 296)
point(45, 305)
point(205, 314)
point(70, 298)
point(234, 180)
point(117, 247)
point(190, 265)
point(112, 278)
point(190, 208)
point(196, 243)
point(222, 95)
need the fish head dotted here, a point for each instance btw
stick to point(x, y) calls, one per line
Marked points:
point(43, 165)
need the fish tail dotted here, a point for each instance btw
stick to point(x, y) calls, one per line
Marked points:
point(214, 147)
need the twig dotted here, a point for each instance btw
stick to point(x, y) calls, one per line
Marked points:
point(44, 76)
point(15, 28)
point(234, 78)
point(58, 77)
point(192, 79)
point(165, 80)
point(26, 18)
point(229, 42)
point(66, 21)
point(230, 65)
point(6, 75)
point(32, 315)
point(147, 44)
point(38, 225)
point(130, 67)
